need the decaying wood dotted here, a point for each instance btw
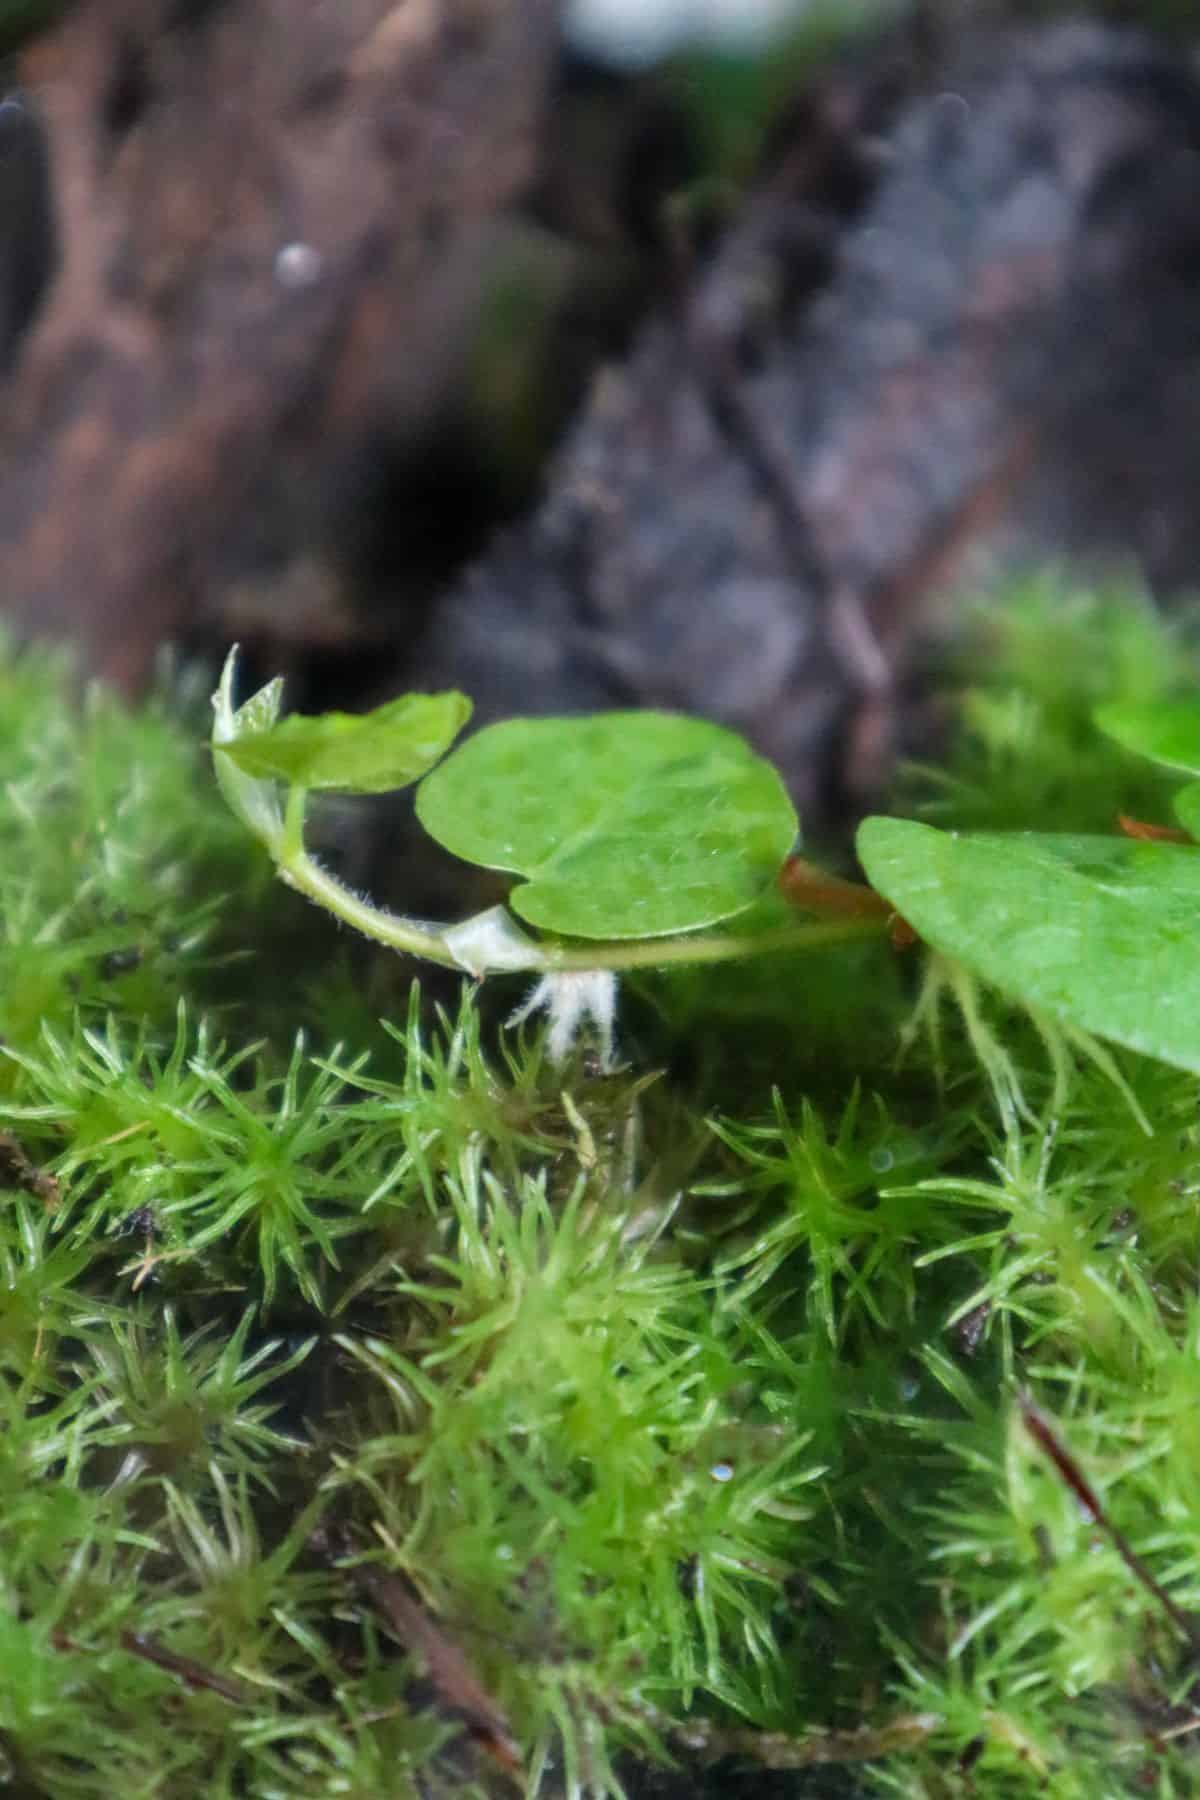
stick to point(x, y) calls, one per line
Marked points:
point(753, 515)
point(270, 218)
point(957, 328)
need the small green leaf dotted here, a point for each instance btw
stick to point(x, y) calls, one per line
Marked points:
point(1166, 732)
point(261, 711)
point(255, 803)
point(626, 825)
point(1186, 807)
point(1101, 932)
point(368, 753)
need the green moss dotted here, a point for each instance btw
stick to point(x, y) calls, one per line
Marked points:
point(1027, 755)
point(680, 1412)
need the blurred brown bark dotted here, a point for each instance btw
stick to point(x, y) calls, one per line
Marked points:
point(270, 219)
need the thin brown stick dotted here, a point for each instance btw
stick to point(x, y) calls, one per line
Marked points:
point(451, 1674)
point(192, 1674)
point(1047, 1440)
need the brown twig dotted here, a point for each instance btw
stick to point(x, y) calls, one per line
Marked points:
point(192, 1674)
point(1047, 1440)
point(451, 1674)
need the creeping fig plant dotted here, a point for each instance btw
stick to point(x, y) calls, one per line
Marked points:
point(639, 836)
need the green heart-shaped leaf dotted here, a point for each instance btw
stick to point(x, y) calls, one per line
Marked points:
point(625, 825)
point(367, 753)
point(1101, 932)
point(1164, 732)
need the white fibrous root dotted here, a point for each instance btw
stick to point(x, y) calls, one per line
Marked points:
point(570, 1001)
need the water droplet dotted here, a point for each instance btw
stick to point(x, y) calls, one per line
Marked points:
point(297, 265)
